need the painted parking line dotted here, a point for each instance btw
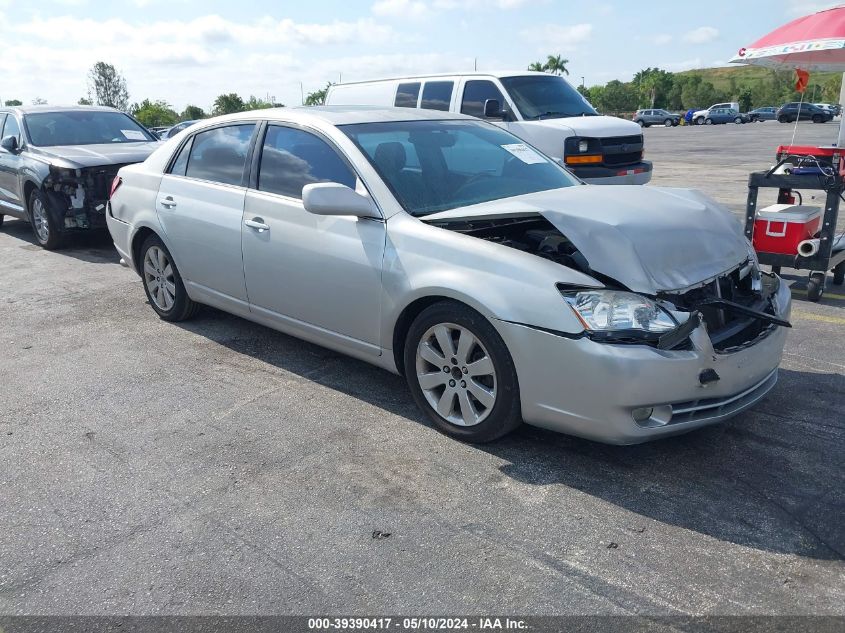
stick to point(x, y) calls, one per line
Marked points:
point(800, 315)
point(826, 295)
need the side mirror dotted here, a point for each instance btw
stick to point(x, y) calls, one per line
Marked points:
point(10, 144)
point(493, 109)
point(331, 198)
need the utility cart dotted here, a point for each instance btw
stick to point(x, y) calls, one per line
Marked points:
point(822, 250)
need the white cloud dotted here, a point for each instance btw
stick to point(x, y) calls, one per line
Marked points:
point(557, 37)
point(701, 35)
point(662, 39)
point(401, 8)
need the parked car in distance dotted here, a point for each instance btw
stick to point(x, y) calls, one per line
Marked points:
point(717, 116)
point(542, 109)
point(159, 130)
point(700, 116)
point(647, 118)
point(57, 163)
point(828, 107)
point(444, 248)
point(790, 112)
point(173, 131)
point(763, 114)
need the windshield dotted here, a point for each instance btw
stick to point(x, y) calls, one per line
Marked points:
point(434, 166)
point(546, 96)
point(83, 127)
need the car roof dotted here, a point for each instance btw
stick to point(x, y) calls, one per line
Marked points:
point(56, 108)
point(343, 115)
point(474, 73)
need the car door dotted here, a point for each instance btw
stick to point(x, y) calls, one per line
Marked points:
point(317, 275)
point(200, 206)
point(11, 197)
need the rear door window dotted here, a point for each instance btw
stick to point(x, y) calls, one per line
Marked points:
point(219, 154)
point(437, 95)
point(476, 92)
point(406, 95)
point(292, 158)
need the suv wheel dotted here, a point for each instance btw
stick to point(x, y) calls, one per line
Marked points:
point(44, 225)
point(163, 284)
point(641, 122)
point(708, 121)
point(699, 120)
point(783, 119)
point(817, 118)
point(668, 123)
point(738, 120)
point(461, 373)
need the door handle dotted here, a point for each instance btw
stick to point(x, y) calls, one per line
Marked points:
point(257, 224)
point(168, 202)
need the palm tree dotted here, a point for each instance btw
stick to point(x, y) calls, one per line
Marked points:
point(537, 66)
point(557, 65)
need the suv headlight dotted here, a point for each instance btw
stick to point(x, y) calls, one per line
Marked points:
point(614, 311)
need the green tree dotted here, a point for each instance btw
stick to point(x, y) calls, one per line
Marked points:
point(318, 97)
point(14, 102)
point(556, 65)
point(653, 86)
point(84, 101)
point(830, 93)
point(192, 112)
point(227, 104)
point(154, 113)
point(254, 103)
point(745, 98)
point(539, 67)
point(618, 97)
point(108, 86)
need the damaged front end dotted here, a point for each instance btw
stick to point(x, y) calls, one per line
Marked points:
point(78, 196)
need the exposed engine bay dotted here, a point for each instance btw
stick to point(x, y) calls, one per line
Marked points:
point(737, 307)
point(80, 195)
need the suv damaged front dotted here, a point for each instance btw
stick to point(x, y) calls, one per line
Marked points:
point(79, 195)
point(679, 327)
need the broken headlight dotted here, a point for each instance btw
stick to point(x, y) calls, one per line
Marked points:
point(615, 311)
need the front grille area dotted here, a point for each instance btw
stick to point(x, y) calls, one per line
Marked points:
point(708, 408)
point(729, 330)
point(622, 150)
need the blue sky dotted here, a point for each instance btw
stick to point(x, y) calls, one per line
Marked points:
point(186, 51)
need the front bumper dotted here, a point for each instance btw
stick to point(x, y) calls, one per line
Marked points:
point(636, 174)
point(589, 389)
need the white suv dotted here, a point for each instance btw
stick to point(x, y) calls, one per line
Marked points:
point(700, 116)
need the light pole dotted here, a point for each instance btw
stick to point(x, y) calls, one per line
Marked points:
point(582, 83)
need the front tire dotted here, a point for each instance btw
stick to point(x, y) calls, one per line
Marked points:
point(163, 283)
point(667, 123)
point(783, 119)
point(45, 226)
point(738, 120)
point(461, 374)
point(817, 118)
point(708, 121)
point(699, 120)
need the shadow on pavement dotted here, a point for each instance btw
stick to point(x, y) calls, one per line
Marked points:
point(770, 479)
point(95, 247)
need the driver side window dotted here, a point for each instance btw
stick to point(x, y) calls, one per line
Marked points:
point(11, 128)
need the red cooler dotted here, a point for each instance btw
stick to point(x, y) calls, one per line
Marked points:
point(781, 227)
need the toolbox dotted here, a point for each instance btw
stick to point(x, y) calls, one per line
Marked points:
point(781, 227)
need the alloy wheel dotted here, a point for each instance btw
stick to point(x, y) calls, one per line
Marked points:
point(456, 374)
point(159, 278)
point(39, 220)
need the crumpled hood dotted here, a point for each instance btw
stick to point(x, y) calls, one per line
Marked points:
point(82, 156)
point(592, 126)
point(651, 239)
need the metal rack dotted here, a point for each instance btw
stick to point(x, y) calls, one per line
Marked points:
point(827, 258)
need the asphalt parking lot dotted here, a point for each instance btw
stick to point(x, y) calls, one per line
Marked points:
point(219, 467)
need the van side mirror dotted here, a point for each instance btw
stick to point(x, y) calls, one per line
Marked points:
point(331, 198)
point(10, 144)
point(493, 109)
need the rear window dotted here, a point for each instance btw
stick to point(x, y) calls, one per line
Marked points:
point(406, 95)
point(219, 155)
point(437, 95)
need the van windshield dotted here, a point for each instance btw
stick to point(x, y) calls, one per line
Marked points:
point(434, 166)
point(546, 97)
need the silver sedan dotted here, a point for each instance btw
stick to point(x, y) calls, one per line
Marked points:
point(446, 249)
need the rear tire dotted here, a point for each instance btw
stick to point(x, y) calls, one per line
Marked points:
point(817, 118)
point(783, 119)
point(699, 120)
point(456, 362)
point(708, 121)
point(45, 226)
point(667, 123)
point(163, 283)
point(738, 120)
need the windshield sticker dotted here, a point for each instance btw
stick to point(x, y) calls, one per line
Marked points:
point(524, 153)
point(134, 135)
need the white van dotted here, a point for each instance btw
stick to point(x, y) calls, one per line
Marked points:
point(541, 108)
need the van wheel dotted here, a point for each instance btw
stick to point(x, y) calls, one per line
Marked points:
point(45, 227)
point(461, 373)
point(163, 283)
